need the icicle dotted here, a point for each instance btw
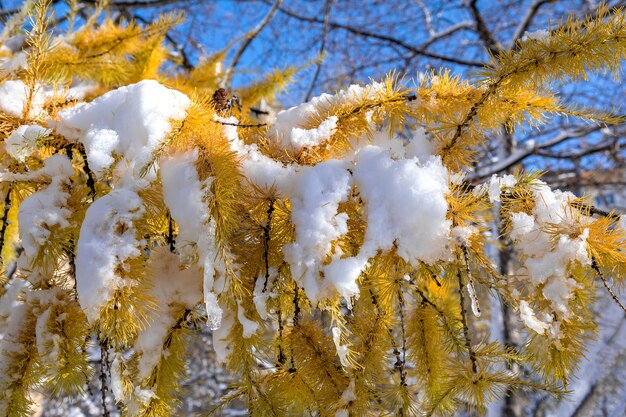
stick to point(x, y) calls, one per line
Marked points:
point(472, 294)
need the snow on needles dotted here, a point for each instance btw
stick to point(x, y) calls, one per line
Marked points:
point(130, 122)
point(107, 242)
point(406, 204)
point(46, 208)
point(547, 256)
point(401, 187)
point(174, 290)
point(187, 200)
point(288, 128)
point(318, 190)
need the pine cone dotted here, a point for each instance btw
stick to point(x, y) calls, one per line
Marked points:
point(220, 99)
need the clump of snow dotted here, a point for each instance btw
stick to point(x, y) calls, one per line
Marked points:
point(117, 376)
point(107, 241)
point(187, 200)
point(546, 257)
point(22, 142)
point(213, 310)
point(497, 184)
point(528, 317)
point(249, 326)
point(129, 122)
point(317, 192)
point(540, 35)
point(301, 138)
point(47, 207)
point(13, 64)
point(287, 129)
point(343, 273)
point(172, 288)
point(419, 146)
point(406, 205)
point(261, 297)
point(342, 350)
point(220, 335)
point(473, 299)
point(257, 167)
point(463, 234)
point(14, 96)
point(10, 300)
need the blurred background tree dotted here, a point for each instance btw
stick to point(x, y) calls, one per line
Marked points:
point(338, 42)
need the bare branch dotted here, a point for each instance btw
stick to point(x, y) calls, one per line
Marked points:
point(387, 38)
point(447, 32)
point(251, 35)
point(318, 67)
point(528, 19)
point(481, 28)
point(521, 154)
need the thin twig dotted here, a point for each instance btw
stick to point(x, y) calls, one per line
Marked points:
point(386, 38)
point(468, 343)
point(527, 20)
point(250, 37)
point(596, 267)
point(170, 233)
point(104, 355)
point(403, 334)
point(91, 183)
point(242, 125)
point(484, 33)
point(5, 219)
point(318, 67)
point(266, 242)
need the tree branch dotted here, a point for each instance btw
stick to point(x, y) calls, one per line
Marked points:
point(528, 19)
point(484, 33)
point(251, 35)
point(518, 156)
point(387, 38)
point(318, 67)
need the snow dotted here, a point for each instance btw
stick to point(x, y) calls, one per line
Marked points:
point(130, 122)
point(528, 317)
point(287, 129)
point(47, 342)
point(546, 257)
point(47, 207)
point(13, 98)
point(22, 142)
point(406, 205)
point(342, 350)
point(317, 192)
point(301, 138)
point(10, 300)
point(249, 326)
point(463, 234)
point(540, 35)
point(172, 286)
point(13, 64)
point(220, 335)
point(107, 240)
point(497, 184)
point(117, 386)
point(186, 199)
point(419, 146)
point(474, 299)
point(261, 297)
point(258, 168)
point(343, 273)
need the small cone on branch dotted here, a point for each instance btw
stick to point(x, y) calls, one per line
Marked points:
point(220, 99)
